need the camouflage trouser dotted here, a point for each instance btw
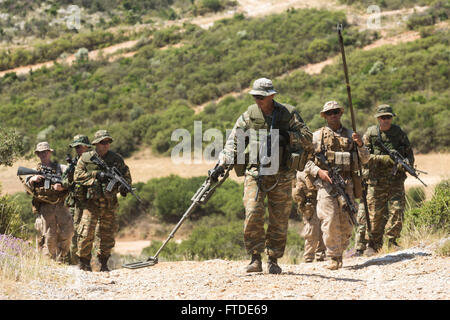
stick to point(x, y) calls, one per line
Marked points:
point(314, 245)
point(279, 206)
point(335, 224)
point(55, 227)
point(76, 214)
point(386, 201)
point(360, 236)
point(106, 230)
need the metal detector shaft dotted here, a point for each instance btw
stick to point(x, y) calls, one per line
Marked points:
point(201, 196)
point(175, 229)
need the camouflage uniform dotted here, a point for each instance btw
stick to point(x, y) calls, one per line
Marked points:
point(386, 192)
point(335, 224)
point(54, 223)
point(76, 196)
point(277, 187)
point(305, 194)
point(100, 204)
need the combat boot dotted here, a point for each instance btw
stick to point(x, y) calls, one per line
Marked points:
point(85, 264)
point(320, 256)
point(104, 264)
point(273, 266)
point(309, 260)
point(370, 251)
point(256, 264)
point(359, 253)
point(392, 244)
point(335, 263)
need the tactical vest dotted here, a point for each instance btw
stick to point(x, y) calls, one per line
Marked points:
point(97, 190)
point(77, 192)
point(341, 152)
point(50, 196)
point(282, 115)
point(392, 139)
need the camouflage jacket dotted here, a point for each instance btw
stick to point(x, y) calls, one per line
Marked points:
point(40, 194)
point(287, 119)
point(394, 139)
point(335, 141)
point(86, 175)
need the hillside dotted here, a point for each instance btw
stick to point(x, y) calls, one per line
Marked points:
point(413, 274)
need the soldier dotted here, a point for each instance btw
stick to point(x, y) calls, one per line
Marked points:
point(100, 204)
point(77, 193)
point(305, 194)
point(386, 192)
point(339, 143)
point(54, 223)
point(293, 135)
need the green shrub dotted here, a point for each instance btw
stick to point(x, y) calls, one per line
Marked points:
point(223, 241)
point(10, 221)
point(11, 145)
point(435, 213)
point(414, 197)
point(444, 249)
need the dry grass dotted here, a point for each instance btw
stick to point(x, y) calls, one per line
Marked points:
point(21, 263)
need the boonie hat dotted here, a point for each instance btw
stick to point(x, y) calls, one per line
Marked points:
point(80, 139)
point(384, 110)
point(262, 87)
point(101, 135)
point(43, 146)
point(330, 105)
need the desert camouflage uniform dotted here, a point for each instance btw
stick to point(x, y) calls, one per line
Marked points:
point(280, 197)
point(335, 224)
point(100, 206)
point(386, 193)
point(54, 223)
point(305, 194)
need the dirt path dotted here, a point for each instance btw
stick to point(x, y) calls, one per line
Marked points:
point(415, 273)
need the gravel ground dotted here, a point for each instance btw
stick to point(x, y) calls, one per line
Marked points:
point(415, 273)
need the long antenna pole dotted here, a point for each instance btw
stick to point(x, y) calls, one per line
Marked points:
point(349, 94)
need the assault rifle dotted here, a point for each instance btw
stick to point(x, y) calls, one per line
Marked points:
point(338, 185)
point(72, 164)
point(398, 159)
point(202, 196)
point(114, 176)
point(46, 172)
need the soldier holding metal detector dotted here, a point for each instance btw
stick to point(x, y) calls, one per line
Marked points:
point(283, 149)
point(54, 223)
point(272, 176)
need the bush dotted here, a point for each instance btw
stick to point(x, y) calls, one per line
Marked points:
point(444, 249)
point(10, 221)
point(11, 145)
point(415, 197)
point(435, 213)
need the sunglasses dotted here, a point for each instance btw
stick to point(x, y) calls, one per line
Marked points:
point(259, 97)
point(386, 117)
point(332, 112)
point(104, 142)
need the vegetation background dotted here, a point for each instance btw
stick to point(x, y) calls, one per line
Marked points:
point(143, 98)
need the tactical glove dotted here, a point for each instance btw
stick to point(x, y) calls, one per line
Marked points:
point(101, 176)
point(384, 159)
point(123, 191)
point(216, 172)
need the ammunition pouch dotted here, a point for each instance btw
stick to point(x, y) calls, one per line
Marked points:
point(297, 160)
